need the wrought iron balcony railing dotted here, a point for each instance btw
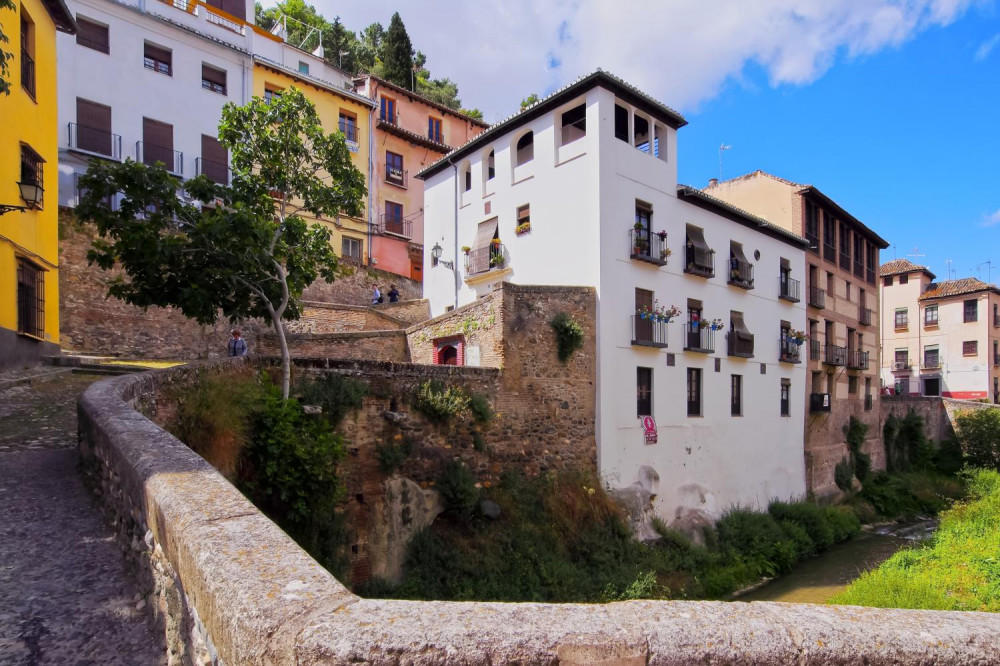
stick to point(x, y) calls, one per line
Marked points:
point(699, 261)
point(857, 360)
point(865, 316)
point(789, 289)
point(218, 172)
point(740, 344)
point(740, 273)
point(148, 153)
point(699, 339)
point(483, 259)
point(869, 402)
point(814, 350)
point(931, 363)
point(647, 246)
point(27, 72)
point(817, 297)
point(351, 132)
point(789, 351)
point(648, 333)
point(395, 176)
point(834, 355)
point(395, 225)
point(95, 141)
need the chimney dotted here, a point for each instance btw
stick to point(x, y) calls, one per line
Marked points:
point(712, 182)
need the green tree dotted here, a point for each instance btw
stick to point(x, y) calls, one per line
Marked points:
point(473, 113)
point(5, 55)
point(308, 29)
point(240, 251)
point(529, 100)
point(979, 436)
point(397, 54)
point(369, 53)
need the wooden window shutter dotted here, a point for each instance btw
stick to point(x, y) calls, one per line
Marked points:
point(214, 159)
point(93, 127)
point(92, 35)
point(217, 76)
point(158, 143)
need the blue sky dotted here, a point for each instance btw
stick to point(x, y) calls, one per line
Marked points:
point(907, 140)
point(891, 107)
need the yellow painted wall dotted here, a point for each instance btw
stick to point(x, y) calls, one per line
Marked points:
point(328, 108)
point(33, 234)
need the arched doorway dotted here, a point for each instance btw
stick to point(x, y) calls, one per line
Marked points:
point(448, 355)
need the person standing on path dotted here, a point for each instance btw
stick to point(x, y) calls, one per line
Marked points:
point(237, 345)
point(393, 294)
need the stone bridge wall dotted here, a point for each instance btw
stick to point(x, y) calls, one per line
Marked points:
point(938, 413)
point(228, 586)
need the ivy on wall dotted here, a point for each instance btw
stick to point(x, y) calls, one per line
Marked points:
point(569, 335)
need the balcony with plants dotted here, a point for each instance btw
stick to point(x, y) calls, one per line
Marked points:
point(790, 345)
point(649, 325)
point(484, 259)
point(699, 335)
point(740, 273)
point(648, 246)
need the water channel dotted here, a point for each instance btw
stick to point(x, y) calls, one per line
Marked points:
point(817, 580)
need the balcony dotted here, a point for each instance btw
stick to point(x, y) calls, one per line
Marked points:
point(95, 141)
point(485, 259)
point(814, 350)
point(789, 351)
point(740, 344)
point(351, 132)
point(869, 402)
point(857, 360)
point(845, 261)
point(931, 363)
point(648, 333)
point(395, 176)
point(859, 269)
point(901, 366)
point(699, 340)
point(996, 359)
point(27, 72)
point(394, 225)
point(699, 261)
point(829, 251)
point(870, 274)
point(740, 273)
point(436, 137)
point(789, 289)
point(817, 298)
point(996, 321)
point(865, 316)
point(389, 118)
point(819, 402)
point(217, 172)
point(834, 355)
point(647, 246)
point(150, 154)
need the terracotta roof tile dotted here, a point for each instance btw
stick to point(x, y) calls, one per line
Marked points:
point(900, 266)
point(956, 288)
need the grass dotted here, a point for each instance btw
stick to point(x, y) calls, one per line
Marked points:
point(958, 569)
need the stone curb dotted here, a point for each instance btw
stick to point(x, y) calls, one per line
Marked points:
point(40, 377)
point(260, 599)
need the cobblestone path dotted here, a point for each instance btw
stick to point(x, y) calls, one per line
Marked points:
point(65, 594)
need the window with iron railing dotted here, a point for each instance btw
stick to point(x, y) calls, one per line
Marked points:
point(348, 125)
point(32, 170)
point(27, 55)
point(30, 299)
point(158, 59)
point(931, 315)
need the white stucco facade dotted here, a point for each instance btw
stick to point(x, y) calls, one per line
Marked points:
point(583, 197)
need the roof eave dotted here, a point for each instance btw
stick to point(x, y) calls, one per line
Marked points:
point(313, 81)
point(421, 98)
point(61, 16)
point(698, 198)
point(812, 189)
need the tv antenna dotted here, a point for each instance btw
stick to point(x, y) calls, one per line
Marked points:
point(951, 271)
point(916, 253)
point(722, 147)
point(989, 270)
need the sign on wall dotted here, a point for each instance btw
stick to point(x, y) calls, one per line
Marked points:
point(649, 428)
point(472, 356)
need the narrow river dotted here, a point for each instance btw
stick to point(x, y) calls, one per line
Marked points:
point(819, 579)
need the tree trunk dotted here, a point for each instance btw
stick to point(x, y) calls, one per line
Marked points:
point(286, 359)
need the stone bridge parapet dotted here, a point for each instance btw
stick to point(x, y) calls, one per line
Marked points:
point(228, 586)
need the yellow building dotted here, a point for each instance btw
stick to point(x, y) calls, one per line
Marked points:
point(29, 201)
point(339, 109)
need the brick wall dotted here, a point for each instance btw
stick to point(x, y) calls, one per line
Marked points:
point(357, 284)
point(336, 318)
point(381, 345)
point(477, 324)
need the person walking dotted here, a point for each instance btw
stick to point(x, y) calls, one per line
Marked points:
point(393, 294)
point(237, 345)
point(377, 296)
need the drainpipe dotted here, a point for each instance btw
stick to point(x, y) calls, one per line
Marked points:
point(371, 177)
point(454, 168)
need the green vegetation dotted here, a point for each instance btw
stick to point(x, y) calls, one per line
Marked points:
point(979, 436)
point(336, 394)
point(391, 456)
point(561, 537)
point(440, 404)
point(479, 407)
point(955, 570)
point(569, 335)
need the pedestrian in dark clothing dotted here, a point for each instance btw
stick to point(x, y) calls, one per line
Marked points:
point(393, 294)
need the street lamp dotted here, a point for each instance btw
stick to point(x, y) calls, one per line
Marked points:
point(436, 258)
point(31, 192)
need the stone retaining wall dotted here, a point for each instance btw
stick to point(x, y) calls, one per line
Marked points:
point(382, 345)
point(228, 586)
point(938, 413)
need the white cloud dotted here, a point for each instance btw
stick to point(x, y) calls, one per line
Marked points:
point(679, 51)
point(987, 47)
point(992, 220)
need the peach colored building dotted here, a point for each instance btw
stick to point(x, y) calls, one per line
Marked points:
point(842, 309)
point(410, 132)
point(939, 338)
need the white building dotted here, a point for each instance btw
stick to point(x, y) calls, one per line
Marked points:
point(939, 338)
point(589, 177)
point(147, 80)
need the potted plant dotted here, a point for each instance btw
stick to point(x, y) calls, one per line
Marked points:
point(496, 242)
point(662, 234)
point(497, 261)
point(658, 313)
point(466, 249)
point(522, 228)
point(716, 325)
point(796, 337)
point(665, 253)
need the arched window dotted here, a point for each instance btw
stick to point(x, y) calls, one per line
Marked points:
point(491, 169)
point(448, 355)
point(525, 149)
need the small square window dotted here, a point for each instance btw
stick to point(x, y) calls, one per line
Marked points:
point(903, 279)
point(92, 35)
point(970, 348)
point(158, 59)
point(887, 281)
point(971, 310)
point(350, 248)
point(303, 67)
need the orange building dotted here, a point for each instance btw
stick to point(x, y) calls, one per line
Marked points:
point(410, 133)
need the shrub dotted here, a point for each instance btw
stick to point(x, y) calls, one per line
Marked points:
point(212, 417)
point(569, 335)
point(843, 474)
point(843, 521)
point(391, 456)
point(458, 490)
point(440, 404)
point(478, 443)
point(643, 587)
point(809, 516)
point(979, 436)
point(855, 432)
point(289, 470)
point(797, 534)
point(479, 406)
point(757, 539)
point(336, 394)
